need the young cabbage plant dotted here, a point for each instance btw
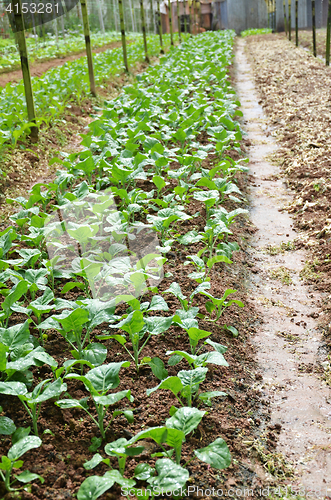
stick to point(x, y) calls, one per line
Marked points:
point(98, 382)
point(214, 357)
point(44, 391)
point(21, 443)
point(215, 307)
point(186, 385)
point(168, 475)
point(140, 328)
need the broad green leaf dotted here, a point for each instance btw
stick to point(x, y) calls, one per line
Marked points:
point(3, 357)
point(172, 384)
point(7, 426)
point(170, 476)
point(158, 304)
point(74, 321)
point(158, 324)
point(27, 477)
point(185, 419)
point(13, 388)
point(206, 397)
point(93, 487)
point(95, 354)
point(143, 472)
point(216, 454)
point(158, 369)
point(195, 335)
point(22, 446)
point(105, 377)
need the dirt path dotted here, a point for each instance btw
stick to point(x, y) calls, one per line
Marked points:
point(39, 68)
point(289, 341)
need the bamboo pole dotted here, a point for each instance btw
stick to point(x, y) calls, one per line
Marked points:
point(178, 22)
point(185, 20)
point(132, 16)
point(21, 42)
point(125, 56)
point(285, 18)
point(314, 26)
point(160, 26)
point(328, 30)
point(152, 18)
point(296, 23)
point(88, 47)
point(170, 23)
point(143, 27)
point(289, 20)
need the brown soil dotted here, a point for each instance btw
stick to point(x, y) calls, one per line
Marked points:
point(295, 93)
point(39, 68)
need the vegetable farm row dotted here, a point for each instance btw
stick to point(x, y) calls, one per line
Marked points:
point(84, 303)
point(50, 49)
point(59, 86)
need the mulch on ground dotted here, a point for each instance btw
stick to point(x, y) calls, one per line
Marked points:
point(296, 94)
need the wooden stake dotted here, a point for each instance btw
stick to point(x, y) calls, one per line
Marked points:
point(160, 26)
point(178, 22)
point(88, 47)
point(170, 23)
point(285, 18)
point(21, 42)
point(125, 56)
point(328, 30)
point(296, 23)
point(314, 26)
point(143, 27)
point(289, 20)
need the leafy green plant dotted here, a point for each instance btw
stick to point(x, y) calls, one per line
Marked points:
point(43, 391)
point(21, 444)
point(168, 475)
point(98, 382)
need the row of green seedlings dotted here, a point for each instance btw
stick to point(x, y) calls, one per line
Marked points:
point(59, 87)
point(132, 152)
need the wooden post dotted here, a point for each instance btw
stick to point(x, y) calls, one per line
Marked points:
point(289, 20)
point(88, 47)
point(152, 17)
point(327, 51)
point(285, 18)
point(170, 23)
point(185, 21)
point(143, 27)
point(178, 22)
point(125, 56)
point(314, 26)
point(21, 42)
point(160, 26)
point(296, 23)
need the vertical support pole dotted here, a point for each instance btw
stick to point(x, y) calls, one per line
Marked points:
point(296, 23)
point(143, 27)
point(328, 30)
point(160, 26)
point(125, 56)
point(170, 23)
point(285, 18)
point(152, 17)
point(314, 26)
point(178, 22)
point(289, 20)
point(185, 20)
point(21, 42)
point(88, 47)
